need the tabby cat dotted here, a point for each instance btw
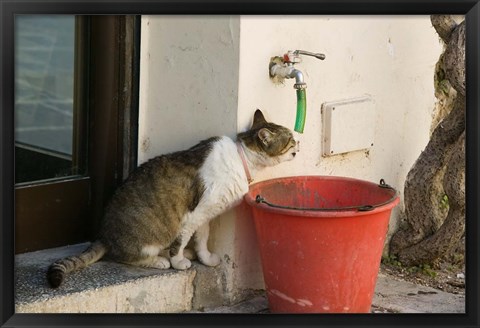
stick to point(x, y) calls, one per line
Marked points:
point(152, 216)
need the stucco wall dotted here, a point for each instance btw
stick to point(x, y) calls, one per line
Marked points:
point(390, 58)
point(188, 81)
point(204, 76)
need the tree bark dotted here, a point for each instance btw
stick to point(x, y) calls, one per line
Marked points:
point(421, 200)
point(429, 235)
point(454, 59)
point(444, 25)
point(445, 239)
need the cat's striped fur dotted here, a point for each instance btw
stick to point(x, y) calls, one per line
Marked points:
point(174, 196)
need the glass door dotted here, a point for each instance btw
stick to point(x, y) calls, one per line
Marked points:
point(52, 186)
point(47, 120)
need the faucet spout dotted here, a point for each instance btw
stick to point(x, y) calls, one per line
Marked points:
point(299, 82)
point(288, 72)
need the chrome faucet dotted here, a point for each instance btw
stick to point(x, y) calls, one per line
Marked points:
point(282, 68)
point(285, 69)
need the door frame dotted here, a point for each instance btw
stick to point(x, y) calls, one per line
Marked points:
point(69, 211)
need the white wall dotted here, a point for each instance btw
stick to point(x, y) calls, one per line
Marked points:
point(205, 76)
point(390, 58)
point(188, 81)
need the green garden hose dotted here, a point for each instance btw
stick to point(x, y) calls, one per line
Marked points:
point(301, 110)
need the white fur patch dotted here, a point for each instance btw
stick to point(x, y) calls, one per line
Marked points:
point(224, 180)
point(151, 250)
point(223, 174)
point(225, 184)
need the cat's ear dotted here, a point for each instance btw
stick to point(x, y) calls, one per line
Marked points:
point(258, 118)
point(265, 136)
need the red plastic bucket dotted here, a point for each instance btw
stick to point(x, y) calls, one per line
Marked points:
point(321, 240)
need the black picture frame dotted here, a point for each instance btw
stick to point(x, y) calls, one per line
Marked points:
point(8, 10)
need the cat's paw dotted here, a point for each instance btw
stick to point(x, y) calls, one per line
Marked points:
point(161, 263)
point(210, 259)
point(180, 264)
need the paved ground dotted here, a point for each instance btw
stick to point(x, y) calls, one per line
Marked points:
point(391, 296)
point(401, 296)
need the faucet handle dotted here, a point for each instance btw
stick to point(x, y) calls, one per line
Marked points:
point(291, 57)
point(308, 53)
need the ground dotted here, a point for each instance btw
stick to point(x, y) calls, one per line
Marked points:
point(445, 275)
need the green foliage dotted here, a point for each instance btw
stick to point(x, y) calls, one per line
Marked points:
point(426, 269)
point(444, 203)
point(391, 260)
point(441, 83)
point(444, 86)
point(422, 268)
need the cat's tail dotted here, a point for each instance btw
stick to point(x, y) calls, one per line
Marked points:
point(58, 270)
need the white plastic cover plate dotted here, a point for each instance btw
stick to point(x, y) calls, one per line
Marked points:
point(348, 125)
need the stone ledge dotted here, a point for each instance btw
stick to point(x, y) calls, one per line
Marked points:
point(104, 287)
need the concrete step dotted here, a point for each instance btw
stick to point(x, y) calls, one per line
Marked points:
point(108, 287)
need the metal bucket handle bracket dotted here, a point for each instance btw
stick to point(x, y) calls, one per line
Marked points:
point(383, 184)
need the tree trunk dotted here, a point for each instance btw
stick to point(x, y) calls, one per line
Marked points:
point(445, 239)
point(429, 235)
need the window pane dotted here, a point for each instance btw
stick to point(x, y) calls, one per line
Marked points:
point(44, 96)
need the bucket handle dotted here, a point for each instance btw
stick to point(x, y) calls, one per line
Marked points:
point(361, 208)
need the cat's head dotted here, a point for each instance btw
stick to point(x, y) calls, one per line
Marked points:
point(269, 142)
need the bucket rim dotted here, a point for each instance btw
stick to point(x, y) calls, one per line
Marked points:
point(253, 200)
